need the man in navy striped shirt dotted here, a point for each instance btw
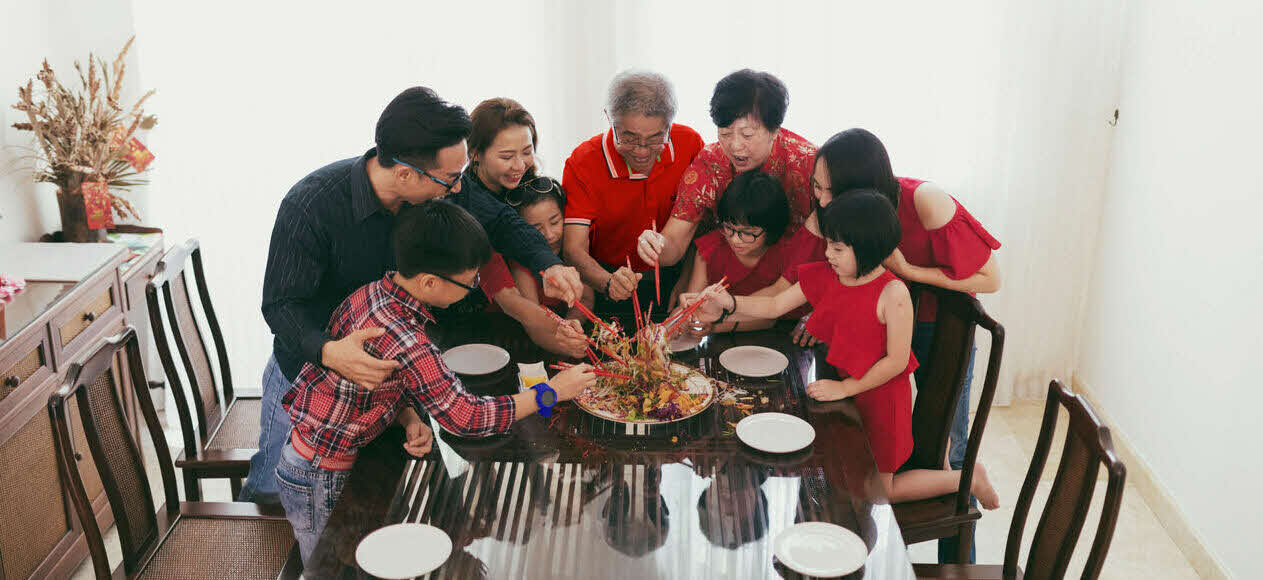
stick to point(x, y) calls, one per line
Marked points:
point(332, 235)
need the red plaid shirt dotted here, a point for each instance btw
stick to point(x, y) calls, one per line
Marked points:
point(337, 417)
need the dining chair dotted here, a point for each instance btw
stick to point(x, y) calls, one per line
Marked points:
point(177, 539)
point(225, 435)
point(1087, 448)
point(949, 515)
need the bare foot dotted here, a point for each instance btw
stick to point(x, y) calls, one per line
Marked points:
point(981, 488)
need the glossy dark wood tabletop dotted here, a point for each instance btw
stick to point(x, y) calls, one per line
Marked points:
point(574, 496)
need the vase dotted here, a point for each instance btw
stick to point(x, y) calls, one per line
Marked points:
point(74, 215)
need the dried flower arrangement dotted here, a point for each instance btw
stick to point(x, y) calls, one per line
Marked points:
point(85, 140)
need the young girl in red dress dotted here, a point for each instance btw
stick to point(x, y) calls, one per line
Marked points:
point(517, 291)
point(864, 313)
point(749, 247)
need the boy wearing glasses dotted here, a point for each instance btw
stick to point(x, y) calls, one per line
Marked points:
point(438, 247)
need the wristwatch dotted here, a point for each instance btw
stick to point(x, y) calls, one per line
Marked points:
point(546, 398)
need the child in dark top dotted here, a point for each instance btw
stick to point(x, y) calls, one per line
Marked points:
point(864, 314)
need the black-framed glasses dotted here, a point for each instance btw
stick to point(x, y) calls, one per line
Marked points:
point(538, 186)
point(447, 185)
point(651, 144)
point(467, 287)
point(747, 237)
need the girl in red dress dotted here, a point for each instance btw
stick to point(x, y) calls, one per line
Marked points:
point(749, 246)
point(864, 313)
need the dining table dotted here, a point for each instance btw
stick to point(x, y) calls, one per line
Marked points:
point(577, 496)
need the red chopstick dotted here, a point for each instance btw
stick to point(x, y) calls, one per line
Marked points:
point(671, 320)
point(597, 371)
point(657, 273)
point(588, 313)
point(635, 299)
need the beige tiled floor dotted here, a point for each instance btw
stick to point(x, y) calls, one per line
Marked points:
point(1141, 547)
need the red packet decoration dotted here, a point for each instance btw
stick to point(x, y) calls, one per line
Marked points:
point(96, 202)
point(138, 155)
point(116, 138)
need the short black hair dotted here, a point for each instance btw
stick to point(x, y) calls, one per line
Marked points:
point(856, 159)
point(748, 92)
point(438, 237)
point(416, 125)
point(864, 220)
point(756, 199)
point(528, 193)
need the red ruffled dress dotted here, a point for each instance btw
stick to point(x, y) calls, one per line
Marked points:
point(960, 248)
point(845, 319)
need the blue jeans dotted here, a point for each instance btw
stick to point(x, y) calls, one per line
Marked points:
point(274, 425)
point(922, 340)
point(308, 493)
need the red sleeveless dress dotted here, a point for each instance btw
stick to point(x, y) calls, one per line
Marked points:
point(845, 318)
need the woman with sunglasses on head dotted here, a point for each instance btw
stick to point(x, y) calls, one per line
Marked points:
point(622, 182)
point(502, 161)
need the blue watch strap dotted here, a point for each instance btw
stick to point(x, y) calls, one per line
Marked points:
point(542, 391)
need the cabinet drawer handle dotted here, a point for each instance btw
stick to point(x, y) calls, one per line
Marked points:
point(89, 316)
point(11, 382)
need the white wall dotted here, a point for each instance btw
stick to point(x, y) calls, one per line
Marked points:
point(1173, 308)
point(61, 31)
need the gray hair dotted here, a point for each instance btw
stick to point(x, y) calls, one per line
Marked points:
point(644, 92)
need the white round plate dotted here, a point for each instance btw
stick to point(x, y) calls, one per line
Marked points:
point(476, 359)
point(753, 361)
point(403, 550)
point(820, 549)
point(775, 432)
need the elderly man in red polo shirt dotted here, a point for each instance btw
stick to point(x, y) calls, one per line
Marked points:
point(620, 183)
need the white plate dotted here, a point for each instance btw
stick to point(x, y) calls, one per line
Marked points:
point(753, 361)
point(476, 359)
point(820, 549)
point(403, 550)
point(775, 432)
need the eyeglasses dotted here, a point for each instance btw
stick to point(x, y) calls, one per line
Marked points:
point(651, 144)
point(742, 235)
point(539, 185)
point(467, 287)
point(448, 186)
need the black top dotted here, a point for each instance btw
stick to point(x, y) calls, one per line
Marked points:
point(332, 235)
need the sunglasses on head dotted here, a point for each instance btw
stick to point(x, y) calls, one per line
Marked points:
point(535, 187)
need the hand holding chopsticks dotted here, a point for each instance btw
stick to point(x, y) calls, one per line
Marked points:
point(600, 372)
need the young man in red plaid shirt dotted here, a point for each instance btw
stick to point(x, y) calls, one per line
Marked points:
point(438, 248)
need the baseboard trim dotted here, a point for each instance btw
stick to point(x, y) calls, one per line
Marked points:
point(1159, 499)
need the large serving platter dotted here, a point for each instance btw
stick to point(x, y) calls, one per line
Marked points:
point(698, 384)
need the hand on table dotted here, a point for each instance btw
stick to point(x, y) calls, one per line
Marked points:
point(831, 390)
point(563, 283)
point(622, 283)
point(347, 358)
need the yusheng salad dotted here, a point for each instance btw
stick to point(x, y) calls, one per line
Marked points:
point(643, 384)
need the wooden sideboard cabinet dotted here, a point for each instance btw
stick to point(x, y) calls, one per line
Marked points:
point(76, 295)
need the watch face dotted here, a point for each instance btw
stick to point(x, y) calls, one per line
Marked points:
point(548, 398)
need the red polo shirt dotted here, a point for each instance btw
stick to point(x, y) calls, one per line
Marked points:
point(616, 204)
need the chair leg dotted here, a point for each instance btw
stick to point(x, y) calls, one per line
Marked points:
point(965, 542)
point(192, 487)
point(235, 484)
